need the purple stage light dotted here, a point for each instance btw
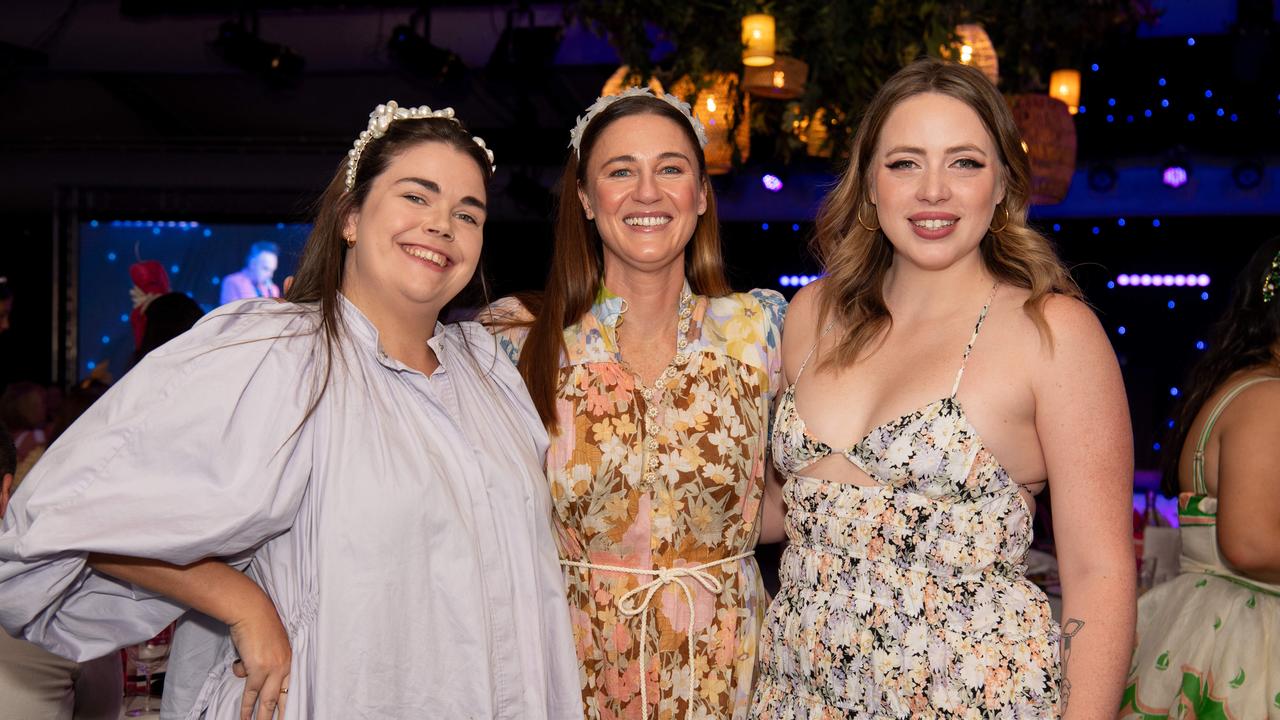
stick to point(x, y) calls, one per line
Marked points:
point(771, 183)
point(1175, 176)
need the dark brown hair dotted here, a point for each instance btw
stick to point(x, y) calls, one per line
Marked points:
point(856, 259)
point(319, 276)
point(1244, 337)
point(577, 265)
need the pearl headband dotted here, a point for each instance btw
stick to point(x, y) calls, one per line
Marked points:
point(382, 117)
point(575, 135)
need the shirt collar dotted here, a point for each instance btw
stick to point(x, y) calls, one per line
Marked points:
point(363, 332)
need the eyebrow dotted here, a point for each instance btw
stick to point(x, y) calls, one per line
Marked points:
point(663, 156)
point(432, 187)
point(950, 150)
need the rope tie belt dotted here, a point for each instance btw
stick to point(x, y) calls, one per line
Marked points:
point(636, 602)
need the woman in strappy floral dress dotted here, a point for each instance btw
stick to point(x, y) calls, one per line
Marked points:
point(941, 373)
point(1209, 640)
point(656, 384)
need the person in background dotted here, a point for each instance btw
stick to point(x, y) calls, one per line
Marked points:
point(167, 317)
point(656, 383)
point(35, 684)
point(255, 279)
point(23, 414)
point(1209, 639)
point(942, 372)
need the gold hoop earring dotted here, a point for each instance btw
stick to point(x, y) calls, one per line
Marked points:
point(865, 226)
point(996, 231)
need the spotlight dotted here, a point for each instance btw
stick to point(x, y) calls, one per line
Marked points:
point(239, 45)
point(1247, 175)
point(772, 183)
point(1176, 171)
point(1175, 176)
point(1102, 178)
point(411, 48)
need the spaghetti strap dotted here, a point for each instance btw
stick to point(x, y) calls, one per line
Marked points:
point(1197, 460)
point(955, 388)
point(825, 330)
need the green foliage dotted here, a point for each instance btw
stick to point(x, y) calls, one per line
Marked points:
point(852, 46)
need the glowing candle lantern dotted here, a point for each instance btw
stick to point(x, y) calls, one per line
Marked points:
point(783, 80)
point(975, 48)
point(715, 106)
point(1064, 85)
point(623, 78)
point(757, 40)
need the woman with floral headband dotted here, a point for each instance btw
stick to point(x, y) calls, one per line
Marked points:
point(376, 473)
point(656, 383)
point(1209, 640)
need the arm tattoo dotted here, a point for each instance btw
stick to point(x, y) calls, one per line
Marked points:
point(1069, 630)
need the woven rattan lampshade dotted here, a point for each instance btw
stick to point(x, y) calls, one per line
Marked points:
point(975, 49)
point(715, 107)
point(783, 80)
point(1049, 135)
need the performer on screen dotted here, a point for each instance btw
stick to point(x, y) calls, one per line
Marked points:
point(254, 280)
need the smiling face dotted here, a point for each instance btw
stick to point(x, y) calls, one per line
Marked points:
point(418, 233)
point(642, 188)
point(936, 179)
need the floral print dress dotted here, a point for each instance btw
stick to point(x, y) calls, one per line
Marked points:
point(662, 478)
point(906, 599)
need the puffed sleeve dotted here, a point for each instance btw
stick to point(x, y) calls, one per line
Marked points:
point(775, 311)
point(202, 450)
point(508, 320)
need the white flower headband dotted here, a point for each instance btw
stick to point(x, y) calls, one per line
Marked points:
point(575, 135)
point(381, 118)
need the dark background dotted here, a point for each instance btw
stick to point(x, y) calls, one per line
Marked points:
point(115, 112)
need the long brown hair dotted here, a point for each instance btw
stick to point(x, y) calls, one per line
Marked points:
point(855, 259)
point(577, 265)
point(319, 276)
point(1245, 336)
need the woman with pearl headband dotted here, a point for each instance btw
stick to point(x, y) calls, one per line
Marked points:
point(656, 384)
point(375, 474)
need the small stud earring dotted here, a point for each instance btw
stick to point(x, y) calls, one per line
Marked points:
point(351, 241)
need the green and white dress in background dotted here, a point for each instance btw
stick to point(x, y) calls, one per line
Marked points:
point(1208, 640)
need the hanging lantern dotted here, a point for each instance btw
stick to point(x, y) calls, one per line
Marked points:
point(1049, 138)
point(975, 48)
point(623, 78)
point(757, 40)
point(813, 131)
point(783, 80)
point(715, 107)
point(1065, 85)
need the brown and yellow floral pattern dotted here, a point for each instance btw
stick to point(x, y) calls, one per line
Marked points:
point(708, 427)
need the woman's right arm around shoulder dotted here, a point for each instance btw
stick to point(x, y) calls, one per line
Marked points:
point(1248, 482)
point(799, 330)
point(508, 319)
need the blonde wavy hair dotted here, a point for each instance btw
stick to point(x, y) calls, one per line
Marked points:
point(855, 258)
